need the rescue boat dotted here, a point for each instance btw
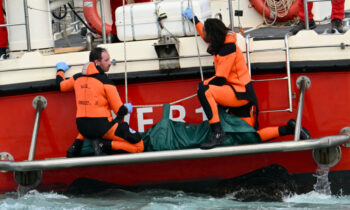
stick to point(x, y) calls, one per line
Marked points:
point(305, 77)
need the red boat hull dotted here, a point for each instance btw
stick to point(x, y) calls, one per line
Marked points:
point(326, 112)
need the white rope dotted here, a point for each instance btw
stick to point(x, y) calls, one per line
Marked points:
point(125, 63)
point(175, 102)
point(189, 4)
point(279, 8)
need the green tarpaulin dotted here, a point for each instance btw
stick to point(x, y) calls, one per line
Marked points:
point(171, 135)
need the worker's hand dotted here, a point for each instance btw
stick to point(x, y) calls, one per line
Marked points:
point(129, 106)
point(62, 66)
point(188, 13)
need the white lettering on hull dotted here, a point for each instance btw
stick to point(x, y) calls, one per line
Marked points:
point(141, 122)
point(182, 111)
point(200, 110)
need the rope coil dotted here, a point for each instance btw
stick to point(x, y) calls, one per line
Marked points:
point(279, 8)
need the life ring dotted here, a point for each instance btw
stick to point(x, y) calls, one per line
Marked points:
point(259, 7)
point(93, 18)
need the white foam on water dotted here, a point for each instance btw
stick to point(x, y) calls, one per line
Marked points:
point(44, 195)
point(310, 197)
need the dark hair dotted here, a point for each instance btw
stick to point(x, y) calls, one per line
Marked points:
point(96, 53)
point(216, 32)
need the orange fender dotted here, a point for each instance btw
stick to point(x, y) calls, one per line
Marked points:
point(92, 17)
point(259, 7)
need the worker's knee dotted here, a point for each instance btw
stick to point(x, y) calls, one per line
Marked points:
point(125, 132)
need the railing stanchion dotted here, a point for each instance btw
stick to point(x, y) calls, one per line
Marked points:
point(303, 83)
point(39, 103)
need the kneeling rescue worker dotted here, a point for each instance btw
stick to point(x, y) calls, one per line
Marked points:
point(231, 86)
point(96, 96)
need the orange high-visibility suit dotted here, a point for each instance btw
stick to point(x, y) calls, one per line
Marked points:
point(231, 86)
point(96, 96)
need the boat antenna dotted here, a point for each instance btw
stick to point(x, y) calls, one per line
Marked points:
point(189, 4)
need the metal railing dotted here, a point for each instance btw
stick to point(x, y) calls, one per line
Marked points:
point(303, 83)
point(63, 163)
point(306, 11)
point(288, 77)
point(39, 103)
point(103, 22)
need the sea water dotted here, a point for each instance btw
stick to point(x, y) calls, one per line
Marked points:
point(163, 199)
point(319, 198)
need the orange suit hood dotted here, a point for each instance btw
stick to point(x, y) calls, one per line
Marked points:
point(90, 69)
point(231, 37)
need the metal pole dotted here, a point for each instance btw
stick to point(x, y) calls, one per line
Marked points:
point(103, 22)
point(286, 42)
point(230, 13)
point(247, 45)
point(16, 24)
point(195, 36)
point(39, 104)
point(306, 15)
point(74, 21)
point(303, 84)
point(26, 20)
point(170, 155)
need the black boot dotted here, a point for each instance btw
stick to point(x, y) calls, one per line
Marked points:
point(97, 146)
point(101, 146)
point(107, 146)
point(217, 137)
point(301, 26)
point(290, 128)
point(337, 25)
point(3, 53)
point(74, 150)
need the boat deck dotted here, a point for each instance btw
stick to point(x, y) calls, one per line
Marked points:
point(262, 33)
point(271, 33)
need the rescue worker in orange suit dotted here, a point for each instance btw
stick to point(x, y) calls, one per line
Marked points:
point(336, 17)
point(3, 34)
point(231, 85)
point(96, 96)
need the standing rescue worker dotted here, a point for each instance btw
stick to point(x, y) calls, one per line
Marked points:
point(231, 86)
point(336, 17)
point(96, 96)
point(3, 34)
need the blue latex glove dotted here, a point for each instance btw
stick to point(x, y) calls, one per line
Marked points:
point(129, 106)
point(62, 66)
point(188, 13)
